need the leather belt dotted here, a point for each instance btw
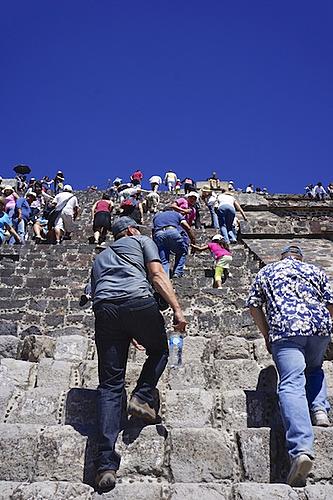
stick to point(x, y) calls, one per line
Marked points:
point(165, 228)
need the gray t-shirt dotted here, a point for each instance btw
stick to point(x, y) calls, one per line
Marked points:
point(113, 278)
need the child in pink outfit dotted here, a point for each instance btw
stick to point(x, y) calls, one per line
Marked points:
point(222, 255)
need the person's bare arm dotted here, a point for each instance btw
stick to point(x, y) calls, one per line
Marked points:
point(200, 249)
point(189, 231)
point(93, 208)
point(75, 212)
point(110, 206)
point(260, 320)
point(182, 211)
point(13, 233)
point(163, 286)
point(239, 208)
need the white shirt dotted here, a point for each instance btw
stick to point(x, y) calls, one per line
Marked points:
point(225, 199)
point(72, 203)
point(212, 200)
point(170, 177)
point(318, 190)
point(249, 189)
point(156, 179)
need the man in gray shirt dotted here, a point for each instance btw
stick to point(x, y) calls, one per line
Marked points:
point(125, 310)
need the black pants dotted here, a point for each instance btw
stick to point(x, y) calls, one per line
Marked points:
point(115, 326)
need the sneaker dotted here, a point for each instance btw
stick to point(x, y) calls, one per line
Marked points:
point(106, 480)
point(299, 471)
point(141, 410)
point(320, 418)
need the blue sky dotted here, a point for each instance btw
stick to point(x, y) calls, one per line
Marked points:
point(99, 88)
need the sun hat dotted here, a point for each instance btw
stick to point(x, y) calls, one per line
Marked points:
point(123, 223)
point(8, 188)
point(206, 188)
point(292, 249)
point(31, 193)
point(68, 188)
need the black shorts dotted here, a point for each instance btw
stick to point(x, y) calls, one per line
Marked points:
point(102, 219)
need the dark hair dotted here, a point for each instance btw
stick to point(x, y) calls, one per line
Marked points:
point(105, 196)
point(224, 244)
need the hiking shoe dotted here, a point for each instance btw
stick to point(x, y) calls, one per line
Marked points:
point(320, 418)
point(299, 470)
point(141, 410)
point(83, 300)
point(106, 480)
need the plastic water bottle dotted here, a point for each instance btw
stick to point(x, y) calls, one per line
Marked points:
point(175, 350)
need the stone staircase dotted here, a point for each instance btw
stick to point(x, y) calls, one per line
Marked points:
point(220, 435)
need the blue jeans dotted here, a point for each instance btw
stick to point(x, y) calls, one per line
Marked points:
point(20, 229)
point(115, 326)
point(170, 240)
point(214, 217)
point(226, 215)
point(302, 388)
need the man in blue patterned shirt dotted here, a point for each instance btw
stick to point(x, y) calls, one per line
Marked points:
point(296, 327)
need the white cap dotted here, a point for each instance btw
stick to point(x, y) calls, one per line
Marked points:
point(68, 187)
point(217, 237)
point(192, 193)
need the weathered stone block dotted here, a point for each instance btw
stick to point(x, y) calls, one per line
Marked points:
point(243, 374)
point(20, 373)
point(323, 465)
point(8, 328)
point(189, 408)
point(203, 455)
point(142, 452)
point(261, 355)
point(37, 406)
point(255, 452)
point(36, 347)
point(206, 491)
point(232, 348)
point(51, 490)
point(71, 348)
point(191, 375)
point(6, 489)
point(18, 451)
point(319, 492)
point(56, 374)
point(257, 491)
point(8, 346)
point(145, 489)
point(61, 455)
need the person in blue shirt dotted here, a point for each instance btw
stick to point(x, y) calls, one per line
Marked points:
point(171, 233)
point(298, 301)
point(22, 215)
point(5, 224)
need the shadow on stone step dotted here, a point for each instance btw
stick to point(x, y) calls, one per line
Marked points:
point(81, 414)
point(262, 404)
point(263, 412)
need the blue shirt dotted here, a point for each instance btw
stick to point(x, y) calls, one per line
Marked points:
point(295, 295)
point(4, 222)
point(23, 204)
point(168, 218)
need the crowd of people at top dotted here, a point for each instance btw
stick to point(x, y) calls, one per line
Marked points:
point(318, 192)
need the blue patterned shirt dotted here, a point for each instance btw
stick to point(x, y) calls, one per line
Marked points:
point(295, 295)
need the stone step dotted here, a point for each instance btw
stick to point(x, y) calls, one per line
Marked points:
point(60, 453)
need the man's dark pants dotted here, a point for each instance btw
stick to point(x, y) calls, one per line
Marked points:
point(115, 326)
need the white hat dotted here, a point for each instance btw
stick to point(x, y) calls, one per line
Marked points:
point(217, 237)
point(68, 187)
point(192, 193)
point(231, 182)
point(8, 188)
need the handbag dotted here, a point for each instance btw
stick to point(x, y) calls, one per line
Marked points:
point(54, 214)
point(162, 304)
